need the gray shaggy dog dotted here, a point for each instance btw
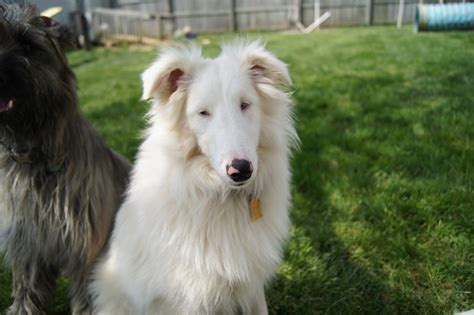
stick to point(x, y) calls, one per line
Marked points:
point(60, 186)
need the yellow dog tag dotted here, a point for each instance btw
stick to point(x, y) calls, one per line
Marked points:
point(255, 209)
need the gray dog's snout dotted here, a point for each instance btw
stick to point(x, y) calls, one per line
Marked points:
point(239, 170)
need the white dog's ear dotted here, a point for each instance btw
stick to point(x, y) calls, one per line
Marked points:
point(170, 72)
point(265, 68)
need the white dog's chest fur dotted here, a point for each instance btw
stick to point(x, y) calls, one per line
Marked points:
point(219, 258)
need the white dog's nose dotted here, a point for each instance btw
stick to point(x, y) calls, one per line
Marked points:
point(239, 170)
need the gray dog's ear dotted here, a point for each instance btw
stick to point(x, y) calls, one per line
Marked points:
point(65, 37)
point(48, 22)
point(61, 33)
point(170, 72)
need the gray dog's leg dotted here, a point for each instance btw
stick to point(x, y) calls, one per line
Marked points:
point(32, 288)
point(81, 302)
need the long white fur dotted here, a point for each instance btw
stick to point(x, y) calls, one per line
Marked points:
point(184, 242)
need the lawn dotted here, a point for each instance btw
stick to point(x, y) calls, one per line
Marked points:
point(383, 186)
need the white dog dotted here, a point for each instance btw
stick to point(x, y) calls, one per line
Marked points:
point(202, 228)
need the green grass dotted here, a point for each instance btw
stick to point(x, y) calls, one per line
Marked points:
point(383, 215)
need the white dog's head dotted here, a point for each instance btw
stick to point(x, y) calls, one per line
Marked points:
point(222, 102)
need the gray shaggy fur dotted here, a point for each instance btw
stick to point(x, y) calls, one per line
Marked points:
point(60, 186)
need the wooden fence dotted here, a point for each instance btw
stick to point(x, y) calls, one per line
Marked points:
point(161, 18)
point(127, 25)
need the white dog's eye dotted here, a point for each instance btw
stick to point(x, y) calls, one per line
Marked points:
point(244, 105)
point(204, 113)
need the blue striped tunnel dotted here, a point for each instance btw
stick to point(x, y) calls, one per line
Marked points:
point(444, 17)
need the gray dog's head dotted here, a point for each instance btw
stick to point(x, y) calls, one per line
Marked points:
point(37, 87)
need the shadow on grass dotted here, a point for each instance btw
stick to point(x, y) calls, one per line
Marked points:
point(381, 195)
point(78, 58)
point(320, 274)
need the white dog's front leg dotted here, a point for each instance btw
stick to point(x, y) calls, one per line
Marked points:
point(260, 305)
point(262, 308)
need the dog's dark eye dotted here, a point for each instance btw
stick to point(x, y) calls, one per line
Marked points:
point(204, 113)
point(244, 105)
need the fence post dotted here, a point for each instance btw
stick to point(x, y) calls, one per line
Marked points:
point(401, 8)
point(233, 16)
point(317, 10)
point(370, 12)
point(159, 22)
point(172, 17)
point(300, 12)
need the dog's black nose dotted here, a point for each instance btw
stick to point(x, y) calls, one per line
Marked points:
point(239, 170)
